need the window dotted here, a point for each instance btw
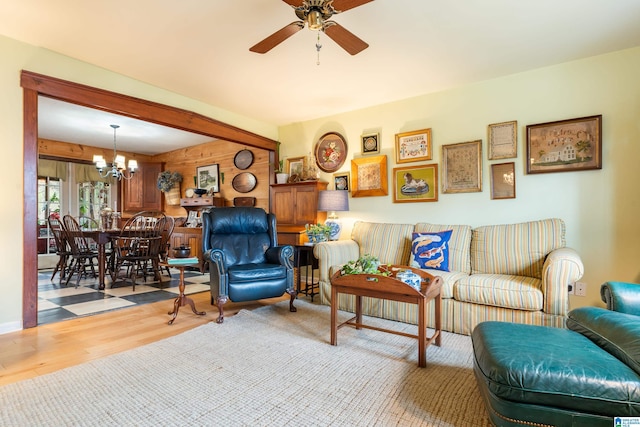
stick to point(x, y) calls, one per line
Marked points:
point(49, 193)
point(92, 198)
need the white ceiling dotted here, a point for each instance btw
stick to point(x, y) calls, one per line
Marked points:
point(200, 48)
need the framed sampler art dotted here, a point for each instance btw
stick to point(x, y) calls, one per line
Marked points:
point(413, 146)
point(462, 167)
point(503, 140)
point(503, 181)
point(342, 181)
point(565, 145)
point(330, 152)
point(370, 143)
point(369, 176)
point(415, 184)
point(209, 178)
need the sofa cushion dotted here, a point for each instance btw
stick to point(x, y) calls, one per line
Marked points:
point(552, 367)
point(518, 249)
point(618, 333)
point(390, 243)
point(430, 250)
point(507, 291)
point(459, 244)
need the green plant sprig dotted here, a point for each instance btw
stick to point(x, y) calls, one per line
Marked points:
point(366, 264)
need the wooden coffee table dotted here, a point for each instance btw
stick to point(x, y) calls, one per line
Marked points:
point(390, 288)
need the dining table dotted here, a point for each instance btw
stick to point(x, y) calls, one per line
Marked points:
point(102, 238)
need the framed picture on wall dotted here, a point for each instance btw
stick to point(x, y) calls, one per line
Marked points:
point(565, 145)
point(209, 178)
point(369, 176)
point(415, 184)
point(503, 181)
point(342, 181)
point(503, 140)
point(413, 146)
point(462, 167)
point(295, 165)
point(370, 143)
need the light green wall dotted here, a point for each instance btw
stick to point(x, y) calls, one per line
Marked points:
point(18, 56)
point(601, 208)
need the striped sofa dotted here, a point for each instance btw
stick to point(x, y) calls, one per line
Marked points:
point(512, 272)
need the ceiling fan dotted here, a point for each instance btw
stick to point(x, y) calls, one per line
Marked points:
point(316, 14)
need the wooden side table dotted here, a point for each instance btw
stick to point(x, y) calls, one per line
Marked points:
point(304, 258)
point(377, 286)
point(181, 300)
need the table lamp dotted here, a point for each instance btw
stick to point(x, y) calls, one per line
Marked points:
point(333, 201)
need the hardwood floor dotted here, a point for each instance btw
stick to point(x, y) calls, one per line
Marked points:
point(47, 348)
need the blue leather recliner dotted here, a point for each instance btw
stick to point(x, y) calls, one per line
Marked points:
point(245, 262)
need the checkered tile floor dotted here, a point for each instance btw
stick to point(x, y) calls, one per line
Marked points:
point(58, 302)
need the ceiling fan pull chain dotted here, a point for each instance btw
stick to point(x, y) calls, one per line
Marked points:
point(318, 47)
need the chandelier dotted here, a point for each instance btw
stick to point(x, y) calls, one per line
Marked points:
point(118, 165)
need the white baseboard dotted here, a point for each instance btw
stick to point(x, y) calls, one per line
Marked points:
point(5, 328)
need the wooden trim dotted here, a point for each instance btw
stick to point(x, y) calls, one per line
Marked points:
point(30, 208)
point(141, 109)
point(33, 85)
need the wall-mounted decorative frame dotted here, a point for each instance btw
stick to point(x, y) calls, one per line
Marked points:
point(243, 159)
point(342, 181)
point(295, 165)
point(369, 176)
point(503, 181)
point(415, 184)
point(209, 178)
point(462, 167)
point(413, 146)
point(330, 152)
point(370, 143)
point(502, 140)
point(565, 145)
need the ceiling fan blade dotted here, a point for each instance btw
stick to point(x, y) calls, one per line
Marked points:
point(342, 5)
point(294, 3)
point(346, 39)
point(278, 37)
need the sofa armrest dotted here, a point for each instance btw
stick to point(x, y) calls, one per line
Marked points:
point(622, 297)
point(561, 268)
point(331, 254)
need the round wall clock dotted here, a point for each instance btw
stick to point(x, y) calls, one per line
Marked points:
point(330, 152)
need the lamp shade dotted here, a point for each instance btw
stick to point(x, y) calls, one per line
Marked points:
point(333, 200)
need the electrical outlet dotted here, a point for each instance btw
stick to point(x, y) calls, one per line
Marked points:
point(572, 289)
point(581, 289)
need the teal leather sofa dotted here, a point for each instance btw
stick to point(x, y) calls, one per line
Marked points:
point(585, 375)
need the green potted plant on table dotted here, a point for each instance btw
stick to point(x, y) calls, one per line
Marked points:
point(366, 264)
point(317, 232)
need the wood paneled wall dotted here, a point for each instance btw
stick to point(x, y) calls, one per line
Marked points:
point(219, 152)
point(185, 161)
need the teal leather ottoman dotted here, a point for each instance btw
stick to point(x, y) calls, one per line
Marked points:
point(582, 376)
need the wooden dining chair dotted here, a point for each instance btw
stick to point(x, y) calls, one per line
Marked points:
point(81, 252)
point(62, 247)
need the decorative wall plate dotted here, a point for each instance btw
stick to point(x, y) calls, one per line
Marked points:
point(243, 159)
point(244, 182)
point(330, 152)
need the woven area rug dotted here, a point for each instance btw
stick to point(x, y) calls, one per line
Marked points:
point(266, 367)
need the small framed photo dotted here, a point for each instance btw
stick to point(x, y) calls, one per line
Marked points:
point(462, 167)
point(370, 143)
point(503, 181)
point(503, 140)
point(295, 165)
point(413, 146)
point(209, 178)
point(415, 184)
point(342, 181)
point(369, 176)
point(565, 146)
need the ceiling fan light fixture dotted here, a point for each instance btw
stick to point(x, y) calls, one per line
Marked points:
point(314, 20)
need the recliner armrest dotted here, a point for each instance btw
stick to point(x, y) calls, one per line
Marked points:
point(282, 255)
point(622, 297)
